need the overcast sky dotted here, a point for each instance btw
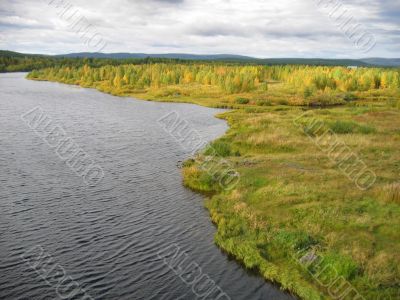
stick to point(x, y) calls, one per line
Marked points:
point(262, 28)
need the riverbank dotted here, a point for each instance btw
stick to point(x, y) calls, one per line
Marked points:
point(294, 205)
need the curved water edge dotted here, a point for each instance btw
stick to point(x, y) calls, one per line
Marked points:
point(115, 238)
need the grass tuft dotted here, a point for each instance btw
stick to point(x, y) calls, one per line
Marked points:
point(391, 193)
point(347, 127)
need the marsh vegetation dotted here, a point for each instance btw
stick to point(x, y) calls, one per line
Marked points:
point(290, 196)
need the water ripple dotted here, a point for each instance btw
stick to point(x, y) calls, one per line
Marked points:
point(105, 237)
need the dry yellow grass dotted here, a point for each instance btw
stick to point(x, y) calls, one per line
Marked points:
point(273, 137)
point(391, 193)
point(383, 268)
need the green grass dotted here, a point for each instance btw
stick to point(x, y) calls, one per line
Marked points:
point(218, 148)
point(291, 196)
point(346, 127)
point(242, 101)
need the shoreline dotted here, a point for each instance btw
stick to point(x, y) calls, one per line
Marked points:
point(258, 223)
point(272, 280)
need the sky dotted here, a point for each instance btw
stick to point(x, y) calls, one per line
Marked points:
point(259, 28)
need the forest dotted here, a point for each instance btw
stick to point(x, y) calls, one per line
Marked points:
point(257, 85)
point(18, 62)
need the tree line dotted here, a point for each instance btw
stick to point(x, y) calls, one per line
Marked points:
point(231, 79)
point(18, 62)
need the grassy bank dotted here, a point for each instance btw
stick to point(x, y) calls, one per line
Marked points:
point(295, 216)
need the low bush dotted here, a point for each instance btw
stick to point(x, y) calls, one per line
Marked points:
point(218, 148)
point(348, 97)
point(263, 102)
point(242, 101)
point(346, 127)
point(343, 127)
point(332, 266)
point(198, 180)
point(283, 102)
point(324, 99)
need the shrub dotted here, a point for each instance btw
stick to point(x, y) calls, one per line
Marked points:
point(263, 87)
point(294, 240)
point(333, 265)
point(324, 99)
point(168, 92)
point(348, 97)
point(308, 92)
point(283, 102)
point(218, 148)
point(242, 101)
point(198, 180)
point(366, 129)
point(33, 74)
point(188, 163)
point(343, 127)
point(264, 103)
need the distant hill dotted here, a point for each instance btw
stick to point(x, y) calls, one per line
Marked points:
point(231, 57)
point(165, 55)
point(7, 53)
point(225, 57)
point(314, 62)
point(364, 62)
point(388, 62)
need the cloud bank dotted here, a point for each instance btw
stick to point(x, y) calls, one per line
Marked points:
point(261, 28)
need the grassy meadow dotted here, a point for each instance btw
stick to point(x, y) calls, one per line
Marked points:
point(292, 199)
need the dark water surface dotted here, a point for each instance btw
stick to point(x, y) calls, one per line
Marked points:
point(106, 237)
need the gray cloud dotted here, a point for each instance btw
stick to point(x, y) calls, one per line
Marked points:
point(169, 1)
point(220, 29)
point(262, 28)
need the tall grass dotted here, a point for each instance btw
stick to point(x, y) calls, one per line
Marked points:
point(391, 193)
point(346, 127)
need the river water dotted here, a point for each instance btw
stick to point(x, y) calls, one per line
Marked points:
point(112, 239)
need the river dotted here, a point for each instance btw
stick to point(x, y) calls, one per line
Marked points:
point(111, 239)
